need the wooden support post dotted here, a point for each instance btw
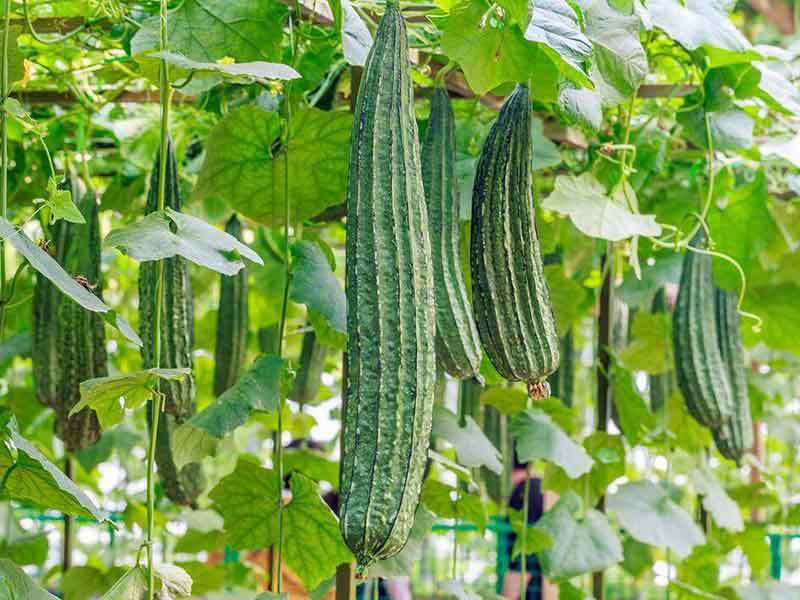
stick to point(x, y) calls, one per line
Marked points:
point(604, 329)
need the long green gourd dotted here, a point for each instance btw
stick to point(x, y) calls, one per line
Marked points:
point(230, 351)
point(184, 485)
point(457, 344)
point(662, 386)
point(46, 300)
point(562, 381)
point(701, 372)
point(81, 333)
point(509, 292)
point(391, 358)
point(308, 379)
point(734, 437)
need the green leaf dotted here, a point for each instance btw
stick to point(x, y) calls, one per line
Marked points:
point(698, 24)
point(243, 167)
point(194, 541)
point(545, 152)
point(473, 32)
point(538, 437)
point(731, 129)
point(152, 238)
point(83, 581)
point(638, 557)
point(402, 564)
point(61, 205)
point(581, 544)
point(719, 505)
point(777, 306)
point(25, 549)
point(315, 284)
point(131, 586)
point(568, 297)
point(258, 389)
point(635, 417)
point(536, 538)
point(47, 266)
point(743, 229)
point(649, 515)
point(15, 584)
point(205, 578)
point(31, 478)
point(110, 396)
point(356, 38)
point(174, 580)
point(448, 503)
point(651, 348)
point(583, 198)
point(312, 465)
point(506, 401)
point(608, 452)
point(312, 544)
point(620, 57)
point(555, 29)
point(243, 31)
point(472, 447)
point(246, 72)
point(773, 590)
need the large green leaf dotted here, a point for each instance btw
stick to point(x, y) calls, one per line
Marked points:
point(731, 129)
point(743, 229)
point(110, 396)
point(472, 447)
point(701, 24)
point(15, 584)
point(315, 284)
point(449, 503)
point(618, 52)
point(165, 235)
point(31, 478)
point(554, 27)
point(651, 347)
point(244, 169)
point(131, 586)
point(583, 541)
point(569, 298)
point(583, 198)
point(777, 306)
point(725, 511)
point(249, 30)
point(648, 514)
point(538, 437)
point(635, 417)
point(258, 389)
point(248, 501)
point(473, 32)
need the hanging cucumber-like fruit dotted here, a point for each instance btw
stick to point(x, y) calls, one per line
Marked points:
point(457, 344)
point(308, 377)
point(662, 386)
point(701, 372)
point(46, 301)
point(391, 358)
point(81, 333)
point(184, 485)
point(230, 351)
point(562, 381)
point(510, 296)
point(734, 437)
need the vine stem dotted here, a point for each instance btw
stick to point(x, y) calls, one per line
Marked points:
point(523, 591)
point(4, 91)
point(157, 404)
